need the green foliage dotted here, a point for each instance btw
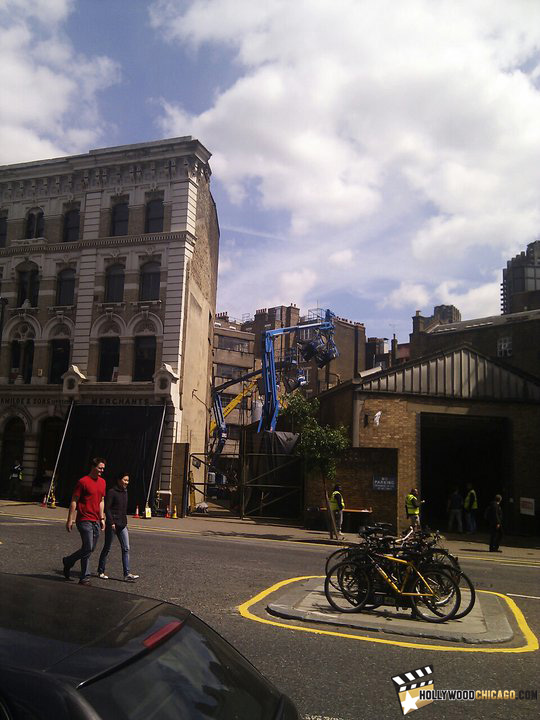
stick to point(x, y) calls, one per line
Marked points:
point(320, 446)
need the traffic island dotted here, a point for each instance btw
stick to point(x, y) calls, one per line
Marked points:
point(489, 622)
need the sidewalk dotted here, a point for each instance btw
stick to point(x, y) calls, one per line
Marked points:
point(206, 525)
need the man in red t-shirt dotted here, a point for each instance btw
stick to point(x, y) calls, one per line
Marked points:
point(87, 502)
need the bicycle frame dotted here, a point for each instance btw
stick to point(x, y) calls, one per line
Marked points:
point(411, 568)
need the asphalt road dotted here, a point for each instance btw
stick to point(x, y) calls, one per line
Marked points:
point(328, 677)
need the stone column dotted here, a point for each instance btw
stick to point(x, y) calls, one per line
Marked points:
point(29, 462)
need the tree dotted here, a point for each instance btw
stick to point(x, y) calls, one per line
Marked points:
point(319, 446)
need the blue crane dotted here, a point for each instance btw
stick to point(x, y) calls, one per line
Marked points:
point(320, 347)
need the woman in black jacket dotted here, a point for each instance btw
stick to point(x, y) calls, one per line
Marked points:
point(116, 523)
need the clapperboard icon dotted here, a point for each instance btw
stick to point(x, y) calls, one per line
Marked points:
point(408, 686)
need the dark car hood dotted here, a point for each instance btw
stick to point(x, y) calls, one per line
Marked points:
point(51, 625)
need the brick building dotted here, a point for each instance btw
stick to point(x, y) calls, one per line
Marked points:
point(233, 357)
point(455, 417)
point(514, 338)
point(108, 264)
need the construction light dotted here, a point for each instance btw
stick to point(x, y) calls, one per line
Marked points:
point(326, 354)
point(294, 383)
point(309, 348)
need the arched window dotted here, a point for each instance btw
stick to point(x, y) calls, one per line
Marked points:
point(149, 281)
point(35, 224)
point(59, 360)
point(22, 354)
point(28, 286)
point(72, 220)
point(65, 287)
point(109, 358)
point(119, 219)
point(114, 283)
point(144, 358)
point(153, 219)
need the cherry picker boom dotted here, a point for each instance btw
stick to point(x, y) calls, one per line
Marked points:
point(321, 348)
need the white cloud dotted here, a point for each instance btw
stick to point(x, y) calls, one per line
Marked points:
point(341, 258)
point(481, 301)
point(296, 285)
point(407, 295)
point(48, 90)
point(406, 134)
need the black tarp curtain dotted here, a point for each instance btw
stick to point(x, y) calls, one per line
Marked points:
point(125, 436)
point(271, 461)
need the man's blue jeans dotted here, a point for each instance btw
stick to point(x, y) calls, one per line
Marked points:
point(89, 532)
point(123, 538)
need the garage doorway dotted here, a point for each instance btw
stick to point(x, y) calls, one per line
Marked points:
point(457, 449)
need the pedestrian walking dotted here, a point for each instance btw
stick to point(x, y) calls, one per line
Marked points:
point(87, 511)
point(116, 524)
point(15, 479)
point(471, 507)
point(337, 506)
point(412, 507)
point(494, 518)
point(455, 507)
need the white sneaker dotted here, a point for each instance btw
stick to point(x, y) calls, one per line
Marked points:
point(130, 577)
point(103, 576)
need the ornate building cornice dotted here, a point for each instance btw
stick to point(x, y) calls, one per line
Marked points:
point(117, 171)
point(31, 247)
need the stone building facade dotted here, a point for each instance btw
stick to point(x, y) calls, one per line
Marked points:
point(108, 266)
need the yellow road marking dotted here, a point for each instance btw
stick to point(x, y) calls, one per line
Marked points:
point(530, 646)
point(502, 560)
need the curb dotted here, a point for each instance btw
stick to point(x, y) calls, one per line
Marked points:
point(486, 624)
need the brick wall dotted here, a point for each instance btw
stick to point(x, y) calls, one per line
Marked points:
point(399, 431)
point(355, 475)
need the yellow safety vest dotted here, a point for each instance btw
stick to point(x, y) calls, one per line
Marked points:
point(334, 505)
point(471, 503)
point(409, 505)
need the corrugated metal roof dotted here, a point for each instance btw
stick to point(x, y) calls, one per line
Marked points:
point(459, 373)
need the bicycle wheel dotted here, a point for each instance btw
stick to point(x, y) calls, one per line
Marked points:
point(444, 597)
point(466, 588)
point(439, 555)
point(467, 592)
point(347, 587)
point(335, 558)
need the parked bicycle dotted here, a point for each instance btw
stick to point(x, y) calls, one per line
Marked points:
point(411, 571)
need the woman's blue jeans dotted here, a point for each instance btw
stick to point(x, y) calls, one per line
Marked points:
point(123, 538)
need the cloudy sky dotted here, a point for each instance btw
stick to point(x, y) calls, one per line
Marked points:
point(371, 156)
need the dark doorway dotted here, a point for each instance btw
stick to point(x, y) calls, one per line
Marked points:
point(458, 449)
point(49, 444)
point(125, 436)
point(12, 450)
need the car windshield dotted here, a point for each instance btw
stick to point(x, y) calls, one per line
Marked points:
point(194, 675)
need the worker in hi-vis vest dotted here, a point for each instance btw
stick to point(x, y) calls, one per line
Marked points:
point(337, 506)
point(412, 507)
point(470, 506)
